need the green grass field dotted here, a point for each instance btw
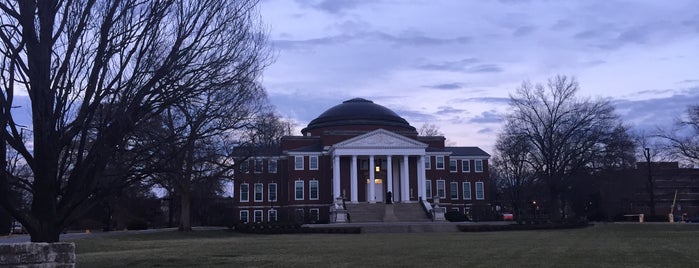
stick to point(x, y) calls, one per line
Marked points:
point(604, 245)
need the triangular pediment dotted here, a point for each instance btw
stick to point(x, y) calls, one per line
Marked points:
point(380, 138)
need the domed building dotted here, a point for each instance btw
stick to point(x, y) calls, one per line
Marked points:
point(367, 156)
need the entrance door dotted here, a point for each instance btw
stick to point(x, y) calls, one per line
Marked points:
point(378, 190)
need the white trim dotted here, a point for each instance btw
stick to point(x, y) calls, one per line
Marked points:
point(482, 190)
point(470, 157)
point(310, 214)
point(269, 192)
point(247, 215)
point(262, 192)
point(310, 162)
point(428, 189)
point(254, 165)
point(463, 190)
point(302, 190)
point(451, 184)
point(303, 162)
point(475, 165)
point(269, 215)
point(269, 165)
point(310, 189)
point(428, 162)
point(254, 215)
point(247, 194)
point(468, 162)
point(456, 165)
point(380, 139)
point(444, 189)
point(436, 162)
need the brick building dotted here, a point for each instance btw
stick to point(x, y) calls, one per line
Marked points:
point(360, 151)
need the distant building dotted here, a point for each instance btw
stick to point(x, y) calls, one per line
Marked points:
point(668, 178)
point(360, 151)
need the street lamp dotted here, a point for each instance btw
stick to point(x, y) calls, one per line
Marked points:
point(646, 153)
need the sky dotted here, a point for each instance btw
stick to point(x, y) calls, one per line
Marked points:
point(455, 63)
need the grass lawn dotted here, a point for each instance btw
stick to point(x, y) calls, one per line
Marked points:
point(604, 245)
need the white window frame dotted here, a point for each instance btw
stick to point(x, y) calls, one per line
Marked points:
point(315, 217)
point(255, 213)
point(247, 216)
point(428, 162)
point(245, 166)
point(436, 162)
point(454, 188)
point(299, 160)
point(443, 194)
point(269, 192)
point(455, 167)
point(272, 163)
point(258, 165)
point(476, 164)
point(261, 192)
point(296, 187)
point(310, 190)
point(479, 184)
point(270, 213)
point(244, 197)
point(465, 166)
point(311, 159)
point(428, 188)
point(466, 191)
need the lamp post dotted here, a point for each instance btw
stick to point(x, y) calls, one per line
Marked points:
point(651, 191)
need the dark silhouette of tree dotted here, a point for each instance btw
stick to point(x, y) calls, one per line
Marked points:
point(564, 133)
point(513, 173)
point(96, 71)
point(684, 137)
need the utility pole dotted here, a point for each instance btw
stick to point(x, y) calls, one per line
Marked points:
point(651, 191)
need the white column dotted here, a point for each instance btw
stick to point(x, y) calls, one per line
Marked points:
point(353, 179)
point(372, 194)
point(336, 176)
point(405, 189)
point(421, 177)
point(389, 175)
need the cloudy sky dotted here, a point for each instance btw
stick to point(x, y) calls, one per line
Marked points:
point(454, 63)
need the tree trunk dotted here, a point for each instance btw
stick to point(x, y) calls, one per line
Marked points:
point(185, 219)
point(45, 232)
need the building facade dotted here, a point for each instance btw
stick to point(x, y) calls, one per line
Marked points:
point(364, 153)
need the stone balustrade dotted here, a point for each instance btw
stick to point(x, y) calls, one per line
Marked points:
point(59, 255)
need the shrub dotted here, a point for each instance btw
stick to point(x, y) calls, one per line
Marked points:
point(137, 224)
point(454, 216)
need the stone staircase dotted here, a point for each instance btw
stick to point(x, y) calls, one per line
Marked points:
point(379, 212)
point(410, 212)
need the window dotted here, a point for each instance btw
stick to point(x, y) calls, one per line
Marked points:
point(272, 191)
point(313, 190)
point(258, 166)
point(452, 166)
point(315, 215)
point(244, 167)
point(272, 215)
point(454, 190)
point(428, 189)
point(244, 216)
point(467, 191)
point(298, 162)
point(313, 162)
point(440, 189)
point(298, 215)
point(479, 165)
point(244, 192)
point(272, 166)
point(480, 195)
point(298, 193)
point(258, 192)
point(465, 166)
point(258, 215)
point(440, 162)
point(428, 162)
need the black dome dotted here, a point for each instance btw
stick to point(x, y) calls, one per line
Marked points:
point(358, 111)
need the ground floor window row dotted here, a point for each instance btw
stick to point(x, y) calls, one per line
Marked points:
point(300, 215)
point(457, 190)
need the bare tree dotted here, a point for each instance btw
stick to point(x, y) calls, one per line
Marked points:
point(512, 170)
point(563, 132)
point(684, 137)
point(97, 70)
point(428, 129)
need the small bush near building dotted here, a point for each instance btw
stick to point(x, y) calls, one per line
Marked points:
point(291, 228)
point(454, 216)
point(522, 227)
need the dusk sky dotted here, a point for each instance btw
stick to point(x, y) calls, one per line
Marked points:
point(454, 63)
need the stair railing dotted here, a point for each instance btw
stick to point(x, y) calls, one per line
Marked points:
point(427, 207)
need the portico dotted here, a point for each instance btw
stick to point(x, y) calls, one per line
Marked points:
point(380, 161)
